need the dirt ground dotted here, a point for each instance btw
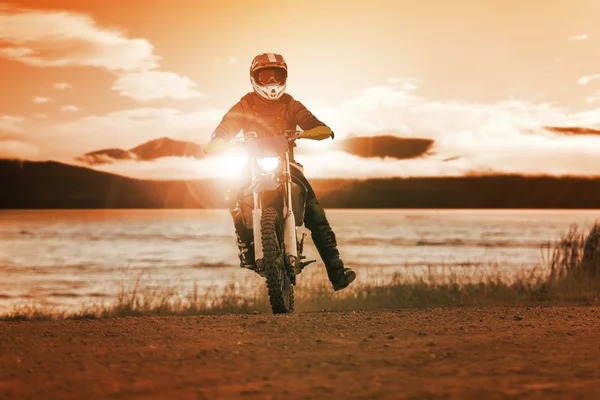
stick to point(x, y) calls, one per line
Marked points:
point(478, 353)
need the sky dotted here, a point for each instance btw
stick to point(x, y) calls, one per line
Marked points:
point(480, 78)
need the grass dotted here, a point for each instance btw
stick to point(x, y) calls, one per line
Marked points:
point(570, 275)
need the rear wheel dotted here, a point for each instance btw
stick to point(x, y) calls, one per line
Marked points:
point(281, 291)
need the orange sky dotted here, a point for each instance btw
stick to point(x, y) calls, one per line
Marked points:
point(476, 76)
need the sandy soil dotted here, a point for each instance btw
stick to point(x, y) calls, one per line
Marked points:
point(479, 353)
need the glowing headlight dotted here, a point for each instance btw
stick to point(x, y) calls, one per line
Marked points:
point(268, 164)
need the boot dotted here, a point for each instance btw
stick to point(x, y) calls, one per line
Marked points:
point(246, 255)
point(339, 276)
point(324, 240)
point(244, 240)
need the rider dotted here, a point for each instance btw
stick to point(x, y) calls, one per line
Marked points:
point(269, 111)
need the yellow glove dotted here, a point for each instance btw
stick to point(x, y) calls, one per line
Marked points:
point(217, 145)
point(318, 133)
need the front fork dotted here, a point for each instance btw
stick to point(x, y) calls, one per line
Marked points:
point(257, 227)
point(289, 223)
point(289, 219)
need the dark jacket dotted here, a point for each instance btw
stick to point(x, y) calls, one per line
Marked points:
point(267, 118)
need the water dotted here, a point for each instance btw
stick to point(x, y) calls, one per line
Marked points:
point(75, 257)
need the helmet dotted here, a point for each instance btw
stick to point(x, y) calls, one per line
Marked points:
point(268, 75)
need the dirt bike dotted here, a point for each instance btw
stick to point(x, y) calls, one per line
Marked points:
point(273, 207)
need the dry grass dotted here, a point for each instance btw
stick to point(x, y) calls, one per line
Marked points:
point(571, 276)
point(575, 266)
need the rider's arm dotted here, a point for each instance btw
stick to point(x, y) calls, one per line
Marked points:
point(228, 128)
point(307, 121)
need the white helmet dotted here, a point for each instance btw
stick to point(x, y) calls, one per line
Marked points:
point(268, 75)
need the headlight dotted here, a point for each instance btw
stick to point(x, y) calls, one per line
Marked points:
point(268, 164)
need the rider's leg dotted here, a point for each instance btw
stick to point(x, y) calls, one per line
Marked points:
point(243, 235)
point(324, 237)
point(244, 239)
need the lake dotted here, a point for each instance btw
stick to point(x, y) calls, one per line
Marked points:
point(74, 257)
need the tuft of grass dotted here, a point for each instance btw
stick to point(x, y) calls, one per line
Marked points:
point(571, 276)
point(575, 266)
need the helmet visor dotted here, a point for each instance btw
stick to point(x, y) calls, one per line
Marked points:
point(267, 76)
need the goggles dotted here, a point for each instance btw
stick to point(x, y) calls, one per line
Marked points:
point(267, 76)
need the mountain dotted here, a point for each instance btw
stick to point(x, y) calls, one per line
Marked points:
point(385, 146)
point(157, 148)
point(167, 147)
point(366, 147)
point(28, 184)
point(106, 156)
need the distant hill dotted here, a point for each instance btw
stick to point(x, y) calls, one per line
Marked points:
point(54, 185)
point(51, 184)
point(106, 156)
point(366, 147)
point(167, 147)
point(152, 150)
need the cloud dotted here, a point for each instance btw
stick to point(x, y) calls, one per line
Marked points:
point(10, 123)
point(406, 84)
point(40, 100)
point(498, 137)
point(69, 108)
point(572, 130)
point(385, 146)
point(166, 168)
point(530, 159)
point(593, 98)
point(468, 137)
point(44, 38)
point(584, 80)
point(398, 109)
point(15, 149)
point(128, 128)
point(369, 112)
point(47, 38)
point(62, 86)
point(153, 85)
point(579, 37)
point(504, 136)
point(220, 62)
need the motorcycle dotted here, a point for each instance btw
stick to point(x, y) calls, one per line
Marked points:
point(272, 207)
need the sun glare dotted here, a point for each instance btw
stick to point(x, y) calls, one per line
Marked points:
point(230, 166)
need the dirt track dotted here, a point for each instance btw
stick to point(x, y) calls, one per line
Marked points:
point(445, 353)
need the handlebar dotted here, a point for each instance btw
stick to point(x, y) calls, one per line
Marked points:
point(293, 135)
point(290, 135)
point(318, 133)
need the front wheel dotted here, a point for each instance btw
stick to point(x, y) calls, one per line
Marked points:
point(281, 291)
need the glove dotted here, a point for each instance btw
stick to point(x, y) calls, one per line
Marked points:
point(217, 145)
point(318, 133)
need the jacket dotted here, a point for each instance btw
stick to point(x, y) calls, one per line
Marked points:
point(267, 118)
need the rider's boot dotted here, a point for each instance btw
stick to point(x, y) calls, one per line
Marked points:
point(244, 240)
point(246, 254)
point(339, 276)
